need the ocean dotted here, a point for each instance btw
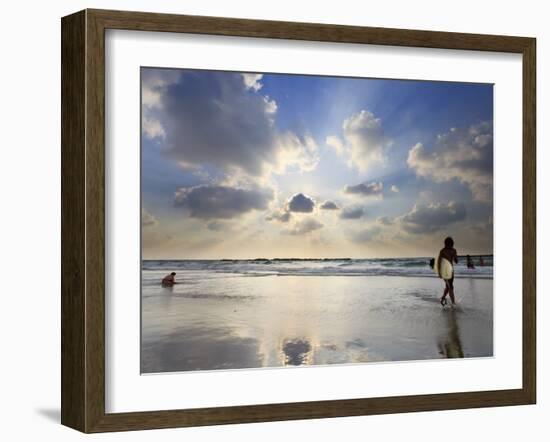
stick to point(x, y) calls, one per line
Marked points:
point(318, 267)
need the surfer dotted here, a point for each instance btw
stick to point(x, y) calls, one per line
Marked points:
point(169, 280)
point(449, 253)
point(469, 262)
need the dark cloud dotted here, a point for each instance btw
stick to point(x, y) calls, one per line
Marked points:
point(432, 217)
point(305, 226)
point(282, 216)
point(219, 119)
point(353, 212)
point(364, 189)
point(464, 154)
point(300, 203)
point(147, 219)
point(224, 202)
point(329, 205)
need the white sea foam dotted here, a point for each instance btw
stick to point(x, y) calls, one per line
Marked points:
point(326, 267)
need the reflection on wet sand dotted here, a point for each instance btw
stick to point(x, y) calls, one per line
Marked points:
point(199, 348)
point(296, 352)
point(450, 346)
point(291, 321)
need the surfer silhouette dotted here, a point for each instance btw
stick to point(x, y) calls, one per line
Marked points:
point(449, 254)
point(169, 280)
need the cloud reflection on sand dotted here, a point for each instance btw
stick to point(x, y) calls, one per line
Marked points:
point(229, 322)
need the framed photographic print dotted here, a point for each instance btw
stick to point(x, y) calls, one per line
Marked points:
point(270, 220)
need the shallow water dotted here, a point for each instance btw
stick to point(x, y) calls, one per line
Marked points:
point(216, 320)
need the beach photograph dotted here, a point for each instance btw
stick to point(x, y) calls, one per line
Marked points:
point(303, 220)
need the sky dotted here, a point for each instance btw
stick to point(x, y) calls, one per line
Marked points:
point(249, 165)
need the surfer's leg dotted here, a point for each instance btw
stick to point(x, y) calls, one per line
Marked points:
point(443, 300)
point(452, 290)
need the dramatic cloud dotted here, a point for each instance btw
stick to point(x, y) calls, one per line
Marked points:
point(220, 120)
point(329, 205)
point(352, 213)
point(364, 189)
point(300, 203)
point(305, 226)
point(152, 128)
point(283, 216)
point(147, 219)
point(432, 217)
point(394, 189)
point(462, 154)
point(154, 82)
point(364, 141)
point(367, 234)
point(211, 202)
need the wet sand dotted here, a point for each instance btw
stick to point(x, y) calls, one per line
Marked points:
point(232, 321)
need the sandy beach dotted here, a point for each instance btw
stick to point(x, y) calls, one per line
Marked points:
point(235, 320)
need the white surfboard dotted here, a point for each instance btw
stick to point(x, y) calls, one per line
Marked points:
point(446, 269)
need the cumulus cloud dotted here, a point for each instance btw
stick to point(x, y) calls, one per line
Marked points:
point(305, 226)
point(354, 212)
point(220, 120)
point(329, 205)
point(153, 83)
point(464, 154)
point(364, 189)
point(428, 218)
point(364, 141)
point(147, 219)
point(221, 202)
point(252, 81)
point(283, 216)
point(300, 203)
point(336, 143)
point(152, 128)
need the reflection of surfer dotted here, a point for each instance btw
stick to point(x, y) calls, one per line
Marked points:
point(450, 346)
point(448, 254)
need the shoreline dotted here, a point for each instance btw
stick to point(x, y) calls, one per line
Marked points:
point(353, 275)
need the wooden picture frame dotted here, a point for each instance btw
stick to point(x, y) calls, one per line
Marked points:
point(83, 220)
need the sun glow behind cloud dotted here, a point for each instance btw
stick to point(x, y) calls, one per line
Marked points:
point(270, 165)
